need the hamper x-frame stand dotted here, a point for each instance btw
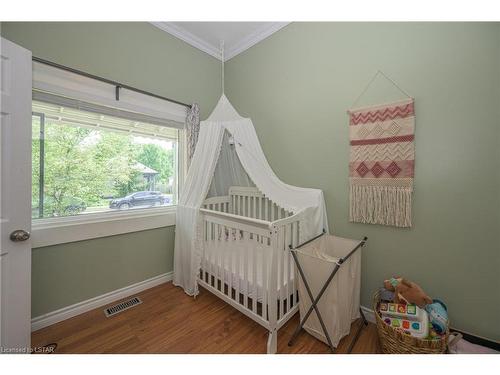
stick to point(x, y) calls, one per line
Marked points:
point(315, 300)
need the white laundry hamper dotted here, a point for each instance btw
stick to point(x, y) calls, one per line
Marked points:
point(339, 305)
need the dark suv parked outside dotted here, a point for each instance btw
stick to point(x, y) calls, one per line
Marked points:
point(138, 199)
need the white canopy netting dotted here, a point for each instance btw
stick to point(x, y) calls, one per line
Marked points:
point(228, 153)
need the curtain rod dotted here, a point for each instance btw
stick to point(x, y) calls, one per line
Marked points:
point(117, 85)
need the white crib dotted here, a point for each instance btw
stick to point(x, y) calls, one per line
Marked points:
point(246, 259)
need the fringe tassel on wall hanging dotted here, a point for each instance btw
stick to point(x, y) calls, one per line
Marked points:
point(382, 161)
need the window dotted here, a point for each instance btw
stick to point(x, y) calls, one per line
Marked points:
point(92, 161)
point(107, 159)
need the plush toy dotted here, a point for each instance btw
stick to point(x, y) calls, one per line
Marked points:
point(407, 291)
point(438, 316)
point(386, 295)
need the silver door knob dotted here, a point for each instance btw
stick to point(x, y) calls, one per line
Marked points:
point(19, 235)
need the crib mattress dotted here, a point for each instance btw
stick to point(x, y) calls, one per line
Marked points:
point(253, 254)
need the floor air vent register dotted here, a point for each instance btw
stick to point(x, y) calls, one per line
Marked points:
point(122, 306)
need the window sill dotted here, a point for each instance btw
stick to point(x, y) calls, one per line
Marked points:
point(54, 231)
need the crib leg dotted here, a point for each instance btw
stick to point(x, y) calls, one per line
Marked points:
point(272, 342)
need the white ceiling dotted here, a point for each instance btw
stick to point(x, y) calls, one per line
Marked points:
point(207, 36)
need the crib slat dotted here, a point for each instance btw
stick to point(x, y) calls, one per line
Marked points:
point(245, 273)
point(283, 281)
point(216, 255)
point(294, 235)
point(212, 253)
point(237, 272)
point(203, 260)
point(281, 268)
point(231, 260)
point(248, 212)
point(217, 258)
point(264, 265)
point(286, 271)
point(248, 207)
point(254, 277)
point(288, 240)
point(222, 258)
point(254, 207)
point(295, 242)
point(207, 254)
point(266, 201)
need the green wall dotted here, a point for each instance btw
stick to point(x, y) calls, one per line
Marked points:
point(143, 56)
point(298, 84)
point(73, 272)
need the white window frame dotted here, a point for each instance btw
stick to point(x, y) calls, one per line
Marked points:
point(54, 231)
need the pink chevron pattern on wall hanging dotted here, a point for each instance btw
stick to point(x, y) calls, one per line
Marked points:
point(382, 163)
point(382, 114)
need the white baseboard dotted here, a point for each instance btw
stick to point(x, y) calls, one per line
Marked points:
point(93, 303)
point(369, 314)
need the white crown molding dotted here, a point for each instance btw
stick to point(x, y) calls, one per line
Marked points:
point(188, 37)
point(250, 40)
point(257, 36)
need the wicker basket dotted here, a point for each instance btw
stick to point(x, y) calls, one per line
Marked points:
point(395, 341)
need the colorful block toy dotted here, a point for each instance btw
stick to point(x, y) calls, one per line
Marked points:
point(398, 310)
point(414, 328)
point(409, 318)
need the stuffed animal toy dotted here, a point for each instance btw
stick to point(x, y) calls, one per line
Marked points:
point(438, 316)
point(407, 291)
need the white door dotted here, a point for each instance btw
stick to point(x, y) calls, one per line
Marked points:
point(15, 194)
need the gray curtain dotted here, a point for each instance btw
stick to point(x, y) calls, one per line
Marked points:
point(192, 129)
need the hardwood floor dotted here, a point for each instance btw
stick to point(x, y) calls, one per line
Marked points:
point(169, 321)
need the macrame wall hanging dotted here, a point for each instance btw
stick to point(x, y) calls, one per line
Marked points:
point(382, 160)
